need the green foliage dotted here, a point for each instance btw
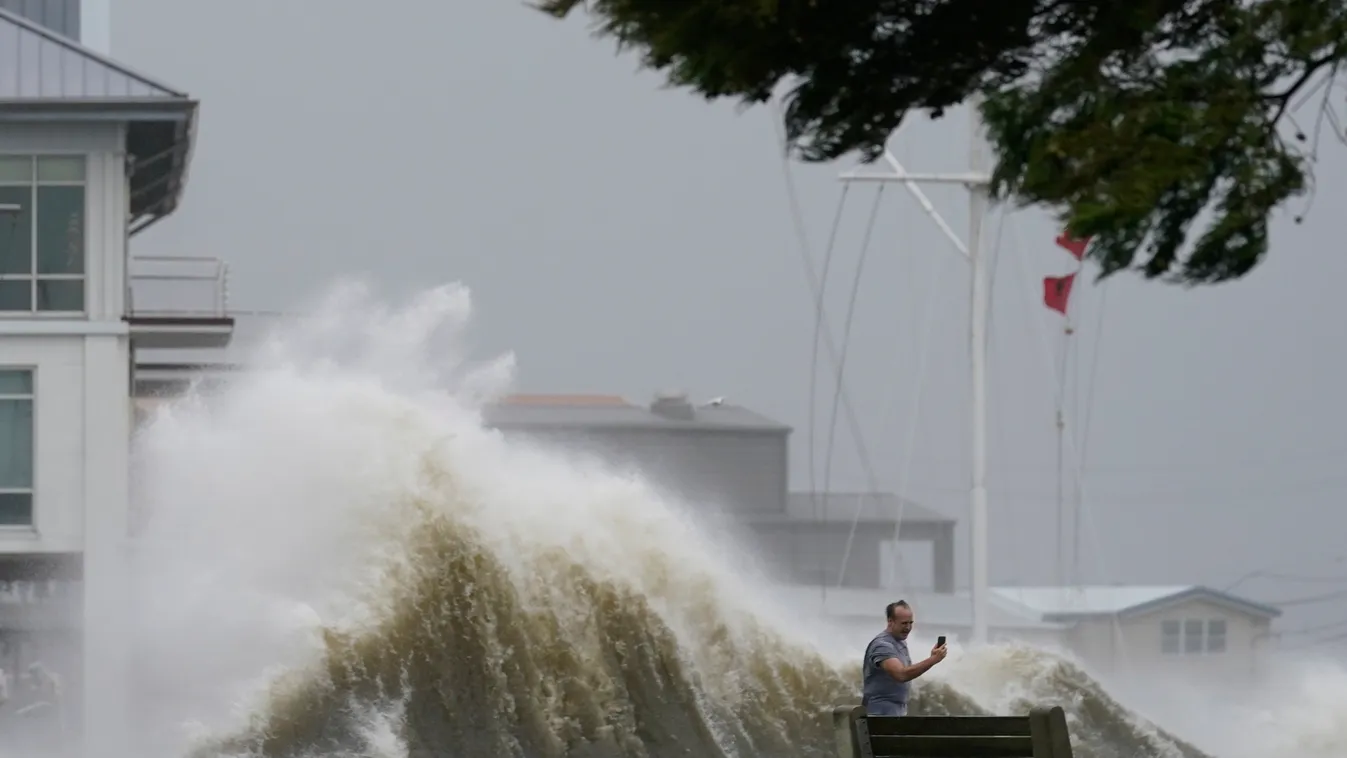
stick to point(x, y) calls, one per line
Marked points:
point(1130, 119)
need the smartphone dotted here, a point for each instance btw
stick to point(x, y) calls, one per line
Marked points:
point(940, 641)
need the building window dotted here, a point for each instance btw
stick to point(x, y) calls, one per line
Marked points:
point(1192, 636)
point(42, 240)
point(16, 447)
point(1215, 635)
point(1171, 637)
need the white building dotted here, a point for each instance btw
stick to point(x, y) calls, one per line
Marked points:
point(91, 154)
point(1205, 634)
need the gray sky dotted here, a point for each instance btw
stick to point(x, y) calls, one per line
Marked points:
point(622, 237)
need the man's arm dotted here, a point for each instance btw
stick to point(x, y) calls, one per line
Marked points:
point(886, 657)
point(895, 668)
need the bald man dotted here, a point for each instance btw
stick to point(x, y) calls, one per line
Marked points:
point(888, 670)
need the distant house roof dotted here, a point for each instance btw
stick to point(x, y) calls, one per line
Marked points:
point(1068, 603)
point(593, 412)
point(45, 76)
point(568, 401)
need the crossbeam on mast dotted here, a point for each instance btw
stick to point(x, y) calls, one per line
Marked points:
point(974, 182)
point(977, 182)
point(967, 178)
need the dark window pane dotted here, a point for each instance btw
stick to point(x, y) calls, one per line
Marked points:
point(1169, 637)
point(16, 456)
point(1192, 636)
point(60, 295)
point(16, 231)
point(16, 382)
point(1216, 636)
point(16, 509)
point(16, 295)
point(60, 230)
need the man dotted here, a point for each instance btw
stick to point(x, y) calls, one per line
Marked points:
point(888, 670)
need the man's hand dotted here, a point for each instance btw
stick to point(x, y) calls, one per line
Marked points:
point(939, 652)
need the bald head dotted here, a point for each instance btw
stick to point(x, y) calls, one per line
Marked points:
point(900, 619)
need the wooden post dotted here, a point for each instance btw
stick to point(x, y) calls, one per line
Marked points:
point(845, 718)
point(1040, 731)
point(1061, 737)
point(1048, 729)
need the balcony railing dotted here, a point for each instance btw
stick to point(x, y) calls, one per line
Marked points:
point(176, 286)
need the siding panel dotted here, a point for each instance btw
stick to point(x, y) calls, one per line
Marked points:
point(60, 16)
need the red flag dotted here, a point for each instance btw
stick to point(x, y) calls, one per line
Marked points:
point(1057, 290)
point(1072, 245)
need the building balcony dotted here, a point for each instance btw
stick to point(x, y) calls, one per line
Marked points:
point(155, 381)
point(178, 302)
point(39, 606)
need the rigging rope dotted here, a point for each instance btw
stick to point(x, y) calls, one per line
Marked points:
point(819, 320)
point(1065, 393)
point(912, 420)
point(1059, 424)
point(815, 288)
point(1074, 460)
point(1087, 419)
point(928, 313)
point(840, 369)
point(841, 395)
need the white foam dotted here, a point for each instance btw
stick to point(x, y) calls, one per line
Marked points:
point(273, 505)
point(1298, 708)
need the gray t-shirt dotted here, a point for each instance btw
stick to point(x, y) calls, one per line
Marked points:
point(876, 682)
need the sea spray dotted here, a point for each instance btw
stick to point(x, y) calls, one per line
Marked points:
point(338, 559)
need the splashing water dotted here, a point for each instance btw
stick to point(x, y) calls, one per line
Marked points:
point(1307, 715)
point(1298, 708)
point(340, 560)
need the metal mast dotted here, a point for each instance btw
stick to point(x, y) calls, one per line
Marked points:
point(977, 182)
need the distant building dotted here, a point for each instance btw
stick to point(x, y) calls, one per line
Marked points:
point(852, 539)
point(735, 462)
point(715, 453)
point(1197, 631)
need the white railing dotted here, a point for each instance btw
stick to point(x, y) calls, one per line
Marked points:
point(177, 285)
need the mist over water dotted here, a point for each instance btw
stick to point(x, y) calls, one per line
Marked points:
point(339, 560)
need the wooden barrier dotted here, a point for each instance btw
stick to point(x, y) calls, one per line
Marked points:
point(1041, 734)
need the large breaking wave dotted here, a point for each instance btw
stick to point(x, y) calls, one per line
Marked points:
point(341, 561)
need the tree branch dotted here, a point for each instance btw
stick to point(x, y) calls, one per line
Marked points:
point(1283, 99)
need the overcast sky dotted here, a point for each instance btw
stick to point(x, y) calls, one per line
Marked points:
point(621, 237)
